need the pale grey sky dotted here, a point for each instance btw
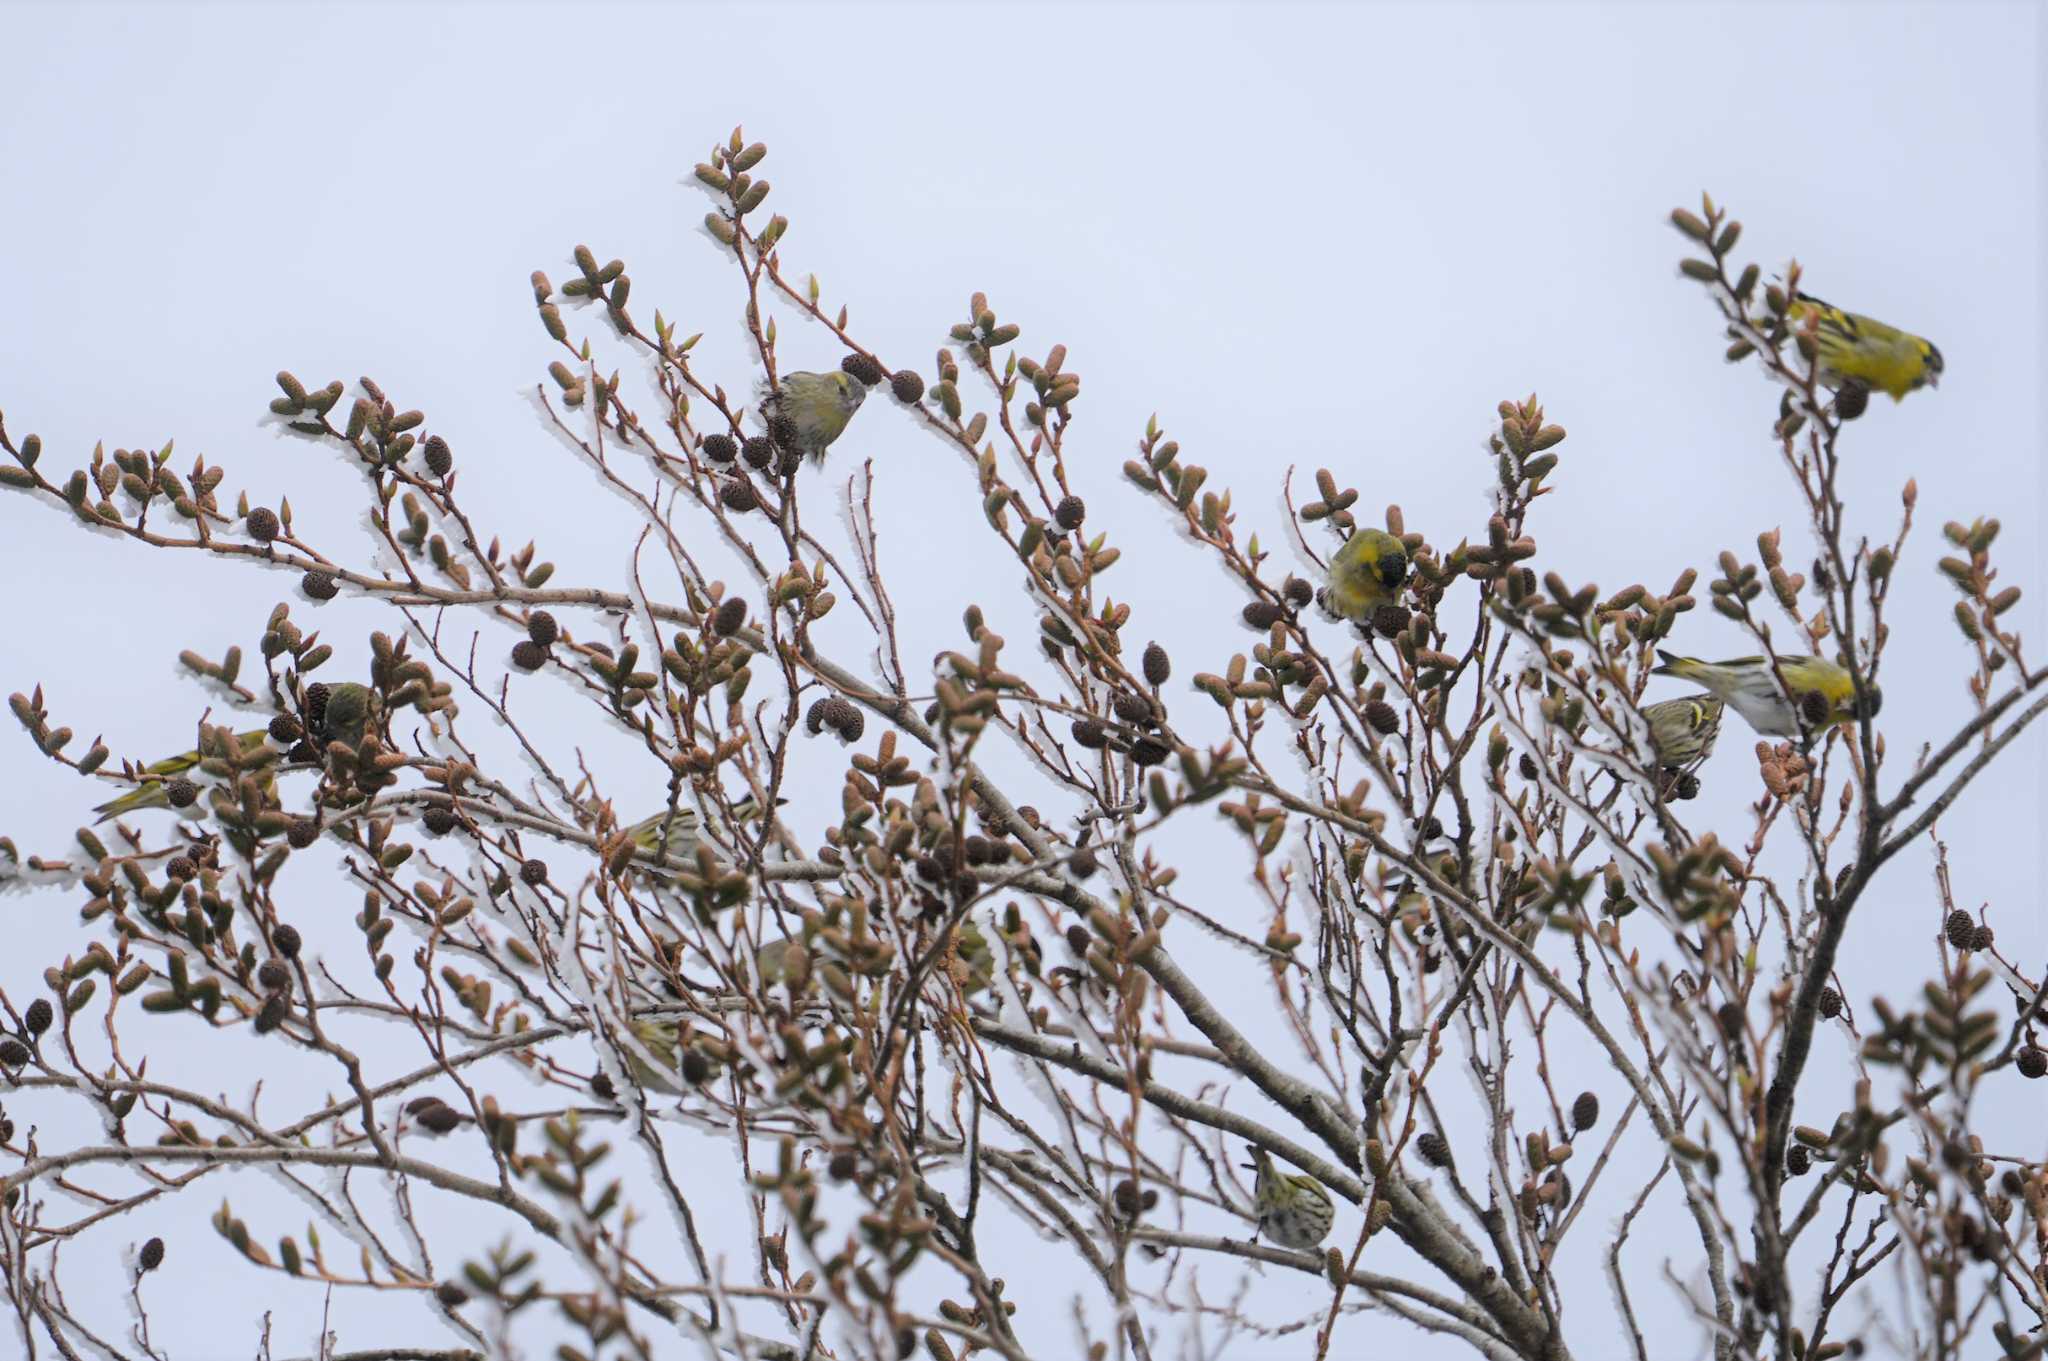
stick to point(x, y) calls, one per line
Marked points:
point(1310, 235)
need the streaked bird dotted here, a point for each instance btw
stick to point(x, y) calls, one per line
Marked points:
point(820, 404)
point(1366, 573)
point(1293, 1209)
point(1862, 350)
point(1683, 731)
point(672, 836)
point(347, 713)
point(1821, 691)
point(156, 793)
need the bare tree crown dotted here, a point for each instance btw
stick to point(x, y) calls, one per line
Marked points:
point(985, 1065)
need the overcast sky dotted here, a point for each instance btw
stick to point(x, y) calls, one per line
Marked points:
point(1301, 235)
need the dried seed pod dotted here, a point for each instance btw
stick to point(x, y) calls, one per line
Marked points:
point(1070, 512)
point(528, 655)
point(275, 1010)
point(738, 496)
point(1830, 1004)
point(38, 1016)
point(262, 524)
point(438, 1117)
point(1433, 1149)
point(1150, 751)
point(1383, 718)
point(542, 628)
point(1961, 931)
point(1585, 1111)
point(839, 714)
point(719, 448)
point(2033, 1062)
point(300, 833)
point(1390, 619)
point(152, 1255)
point(864, 370)
point(1262, 614)
point(319, 585)
point(439, 821)
point(757, 451)
point(1158, 666)
point(533, 873)
point(730, 616)
point(439, 459)
point(907, 386)
point(1090, 733)
point(181, 792)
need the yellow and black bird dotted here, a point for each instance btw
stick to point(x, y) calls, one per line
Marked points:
point(1821, 691)
point(1366, 573)
point(1859, 350)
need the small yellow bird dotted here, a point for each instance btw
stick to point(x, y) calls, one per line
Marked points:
point(1292, 1208)
point(660, 1039)
point(1747, 684)
point(1367, 572)
point(1683, 731)
point(674, 835)
point(1860, 350)
point(156, 793)
point(344, 712)
point(821, 405)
